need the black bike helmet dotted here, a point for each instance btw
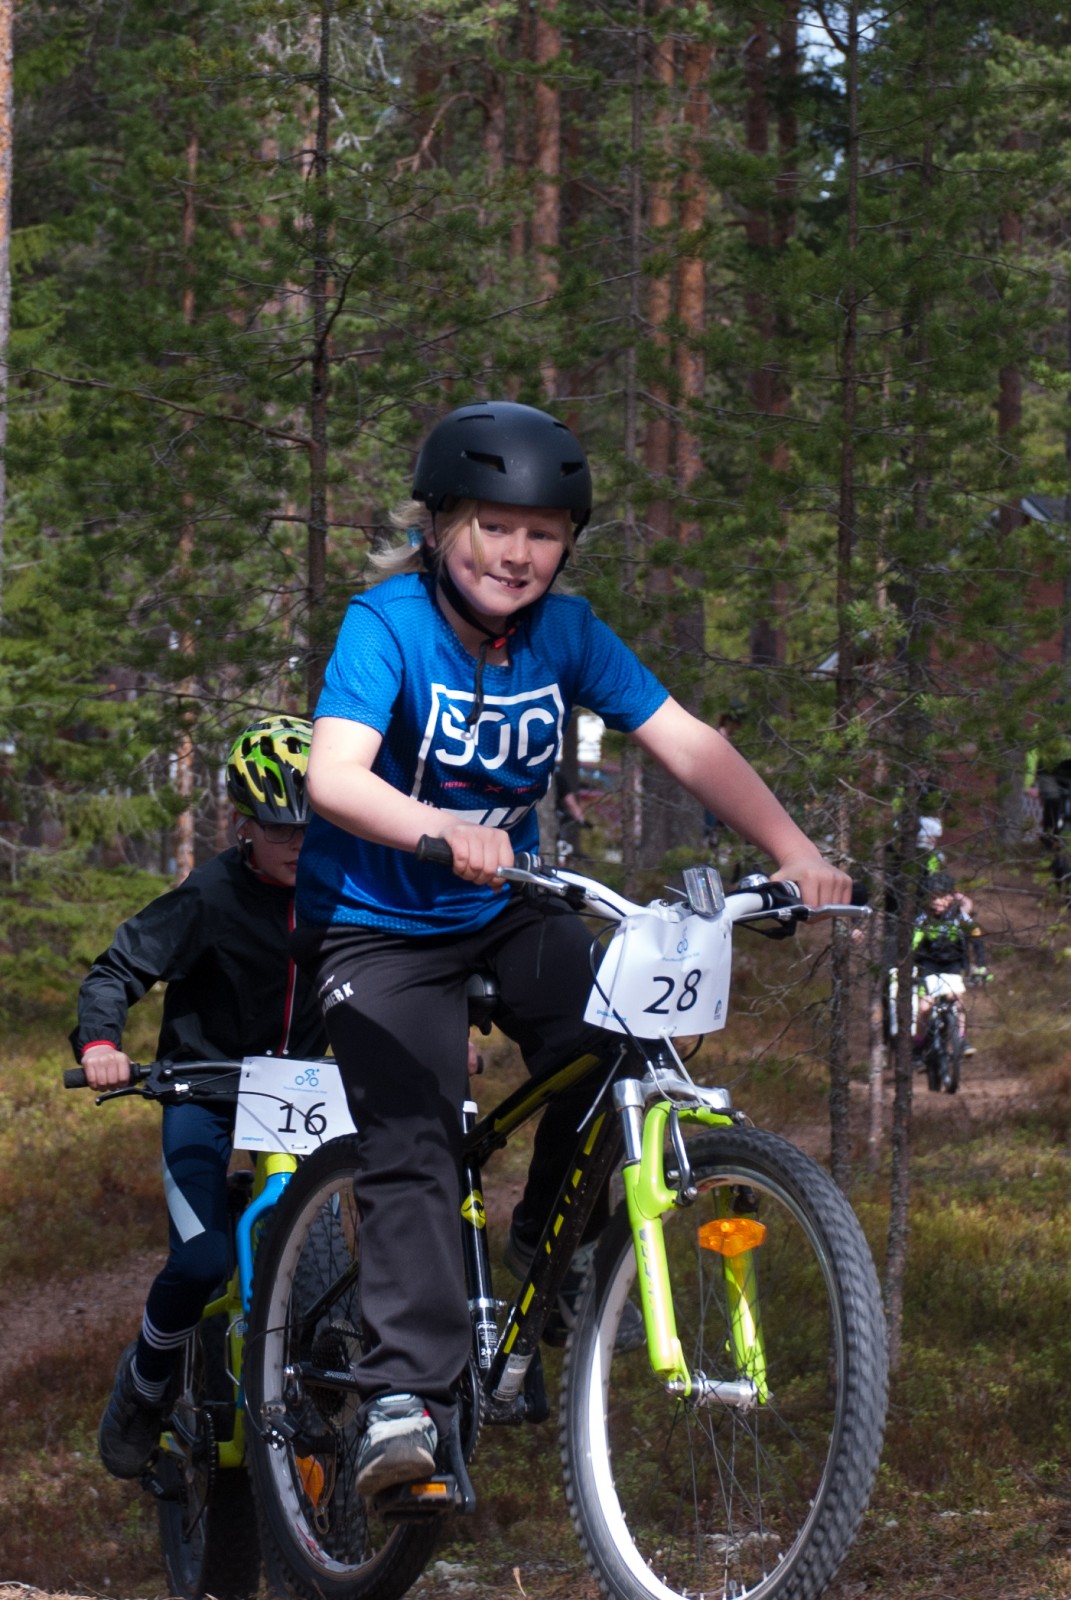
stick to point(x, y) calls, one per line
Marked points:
point(509, 453)
point(936, 883)
point(266, 769)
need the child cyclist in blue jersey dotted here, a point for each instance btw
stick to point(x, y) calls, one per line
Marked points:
point(442, 713)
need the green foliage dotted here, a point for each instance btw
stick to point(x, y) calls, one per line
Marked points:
point(183, 258)
point(55, 918)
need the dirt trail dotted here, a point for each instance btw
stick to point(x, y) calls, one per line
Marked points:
point(65, 1312)
point(69, 1313)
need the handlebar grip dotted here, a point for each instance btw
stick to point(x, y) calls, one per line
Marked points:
point(434, 850)
point(75, 1077)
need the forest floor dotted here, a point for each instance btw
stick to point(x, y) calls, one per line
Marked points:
point(944, 1554)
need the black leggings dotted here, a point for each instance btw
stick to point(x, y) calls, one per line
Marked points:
point(196, 1153)
point(397, 1016)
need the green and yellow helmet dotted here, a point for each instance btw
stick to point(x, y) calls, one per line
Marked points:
point(266, 769)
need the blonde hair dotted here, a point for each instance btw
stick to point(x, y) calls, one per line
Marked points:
point(417, 522)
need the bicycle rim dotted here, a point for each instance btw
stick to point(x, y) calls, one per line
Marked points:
point(317, 1534)
point(673, 1498)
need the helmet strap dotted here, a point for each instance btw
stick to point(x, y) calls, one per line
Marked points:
point(493, 638)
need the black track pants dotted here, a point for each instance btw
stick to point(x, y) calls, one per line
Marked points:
point(397, 1017)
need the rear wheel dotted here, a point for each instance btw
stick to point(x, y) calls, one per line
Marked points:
point(753, 1488)
point(207, 1520)
point(320, 1539)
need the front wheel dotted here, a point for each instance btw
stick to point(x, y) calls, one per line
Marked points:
point(674, 1496)
point(320, 1539)
point(949, 1051)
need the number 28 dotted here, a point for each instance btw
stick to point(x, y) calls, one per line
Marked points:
point(663, 1004)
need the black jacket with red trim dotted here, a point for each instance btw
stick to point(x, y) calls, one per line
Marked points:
point(220, 943)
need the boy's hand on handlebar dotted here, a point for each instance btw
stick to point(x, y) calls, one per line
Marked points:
point(479, 852)
point(819, 882)
point(106, 1067)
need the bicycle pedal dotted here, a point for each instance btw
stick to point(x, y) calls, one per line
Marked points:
point(409, 1501)
point(152, 1485)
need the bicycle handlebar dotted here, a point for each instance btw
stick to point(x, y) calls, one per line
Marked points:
point(168, 1080)
point(753, 900)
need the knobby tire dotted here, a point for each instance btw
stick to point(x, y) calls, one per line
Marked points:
point(207, 1520)
point(673, 1499)
point(933, 1057)
point(951, 1051)
point(320, 1540)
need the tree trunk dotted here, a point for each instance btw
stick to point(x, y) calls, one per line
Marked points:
point(546, 221)
point(770, 231)
point(839, 1104)
point(184, 840)
point(876, 1047)
point(7, 107)
point(494, 145)
point(904, 886)
point(316, 564)
point(522, 135)
point(651, 790)
point(1010, 395)
point(670, 818)
point(631, 771)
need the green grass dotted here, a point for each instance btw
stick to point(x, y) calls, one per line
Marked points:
point(82, 1182)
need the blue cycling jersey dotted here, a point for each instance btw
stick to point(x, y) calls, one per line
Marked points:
point(399, 667)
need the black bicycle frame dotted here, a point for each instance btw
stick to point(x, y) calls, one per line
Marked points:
point(503, 1360)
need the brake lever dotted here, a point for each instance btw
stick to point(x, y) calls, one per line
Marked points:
point(124, 1089)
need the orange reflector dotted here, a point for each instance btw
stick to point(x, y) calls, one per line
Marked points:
point(731, 1236)
point(312, 1478)
point(423, 1489)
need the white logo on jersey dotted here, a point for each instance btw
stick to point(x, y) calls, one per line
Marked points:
point(523, 730)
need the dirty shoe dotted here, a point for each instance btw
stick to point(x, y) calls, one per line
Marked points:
point(398, 1444)
point(130, 1427)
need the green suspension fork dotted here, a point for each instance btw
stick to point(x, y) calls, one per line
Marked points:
point(733, 1235)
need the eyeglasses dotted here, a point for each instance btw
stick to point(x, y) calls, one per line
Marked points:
point(283, 832)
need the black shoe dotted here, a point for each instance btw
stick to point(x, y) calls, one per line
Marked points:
point(129, 1430)
point(398, 1445)
point(631, 1333)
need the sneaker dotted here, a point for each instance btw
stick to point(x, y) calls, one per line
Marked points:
point(398, 1445)
point(969, 1050)
point(631, 1332)
point(129, 1430)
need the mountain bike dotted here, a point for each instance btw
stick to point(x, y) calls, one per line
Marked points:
point(207, 1521)
point(734, 1453)
point(940, 1052)
point(943, 1043)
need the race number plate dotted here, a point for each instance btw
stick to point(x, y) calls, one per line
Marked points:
point(288, 1105)
point(664, 975)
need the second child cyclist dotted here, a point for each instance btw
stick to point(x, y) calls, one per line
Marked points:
point(219, 942)
point(442, 713)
